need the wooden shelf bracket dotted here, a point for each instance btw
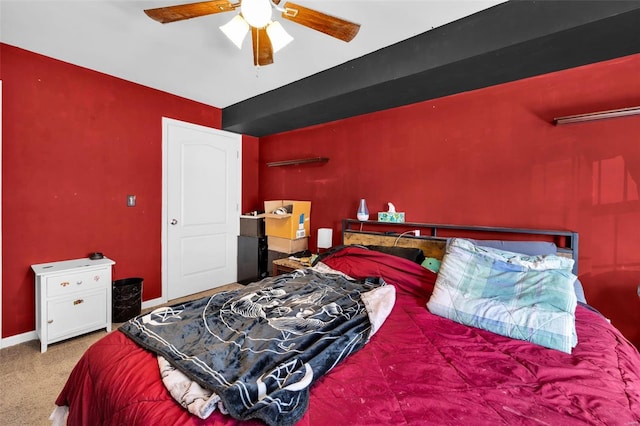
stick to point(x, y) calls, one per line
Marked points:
point(297, 161)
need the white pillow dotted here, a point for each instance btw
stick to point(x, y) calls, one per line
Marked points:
point(524, 297)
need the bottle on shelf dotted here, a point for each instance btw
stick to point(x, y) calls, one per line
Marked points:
point(363, 211)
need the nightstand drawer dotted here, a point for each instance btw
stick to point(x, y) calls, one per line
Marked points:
point(87, 280)
point(69, 315)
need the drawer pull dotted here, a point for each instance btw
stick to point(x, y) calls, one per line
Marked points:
point(78, 282)
point(78, 301)
point(64, 283)
point(50, 321)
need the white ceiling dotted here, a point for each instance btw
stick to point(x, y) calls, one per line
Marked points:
point(193, 58)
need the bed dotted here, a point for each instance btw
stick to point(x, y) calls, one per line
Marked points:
point(419, 367)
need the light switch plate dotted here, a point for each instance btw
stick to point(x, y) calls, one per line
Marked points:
point(131, 200)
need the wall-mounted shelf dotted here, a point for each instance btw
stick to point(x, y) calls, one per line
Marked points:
point(600, 115)
point(298, 161)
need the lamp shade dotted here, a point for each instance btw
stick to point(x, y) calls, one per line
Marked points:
point(256, 12)
point(325, 238)
point(236, 29)
point(278, 36)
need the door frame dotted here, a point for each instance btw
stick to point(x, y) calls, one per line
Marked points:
point(165, 198)
point(1, 346)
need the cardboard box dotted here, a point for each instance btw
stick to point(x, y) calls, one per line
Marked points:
point(286, 245)
point(293, 225)
point(391, 217)
point(252, 226)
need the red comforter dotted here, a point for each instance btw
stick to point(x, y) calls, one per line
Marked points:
point(418, 368)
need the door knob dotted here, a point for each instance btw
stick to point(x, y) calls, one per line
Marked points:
point(174, 221)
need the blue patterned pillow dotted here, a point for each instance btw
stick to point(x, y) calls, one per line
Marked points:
point(524, 297)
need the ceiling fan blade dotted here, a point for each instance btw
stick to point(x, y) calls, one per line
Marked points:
point(179, 12)
point(262, 50)
point(330, 25)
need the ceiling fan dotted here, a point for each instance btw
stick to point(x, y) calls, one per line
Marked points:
point(268, 36)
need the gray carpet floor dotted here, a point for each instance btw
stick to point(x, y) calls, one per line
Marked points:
point(31, 381)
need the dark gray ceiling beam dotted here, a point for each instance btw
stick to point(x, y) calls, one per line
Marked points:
point(511, 41)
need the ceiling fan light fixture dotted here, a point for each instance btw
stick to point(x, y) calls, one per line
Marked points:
point(257, 13)
point(236, 30)
point(255, 16)
point(278, 35)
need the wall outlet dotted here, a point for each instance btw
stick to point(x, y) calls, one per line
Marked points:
point(416, 232)
point(131, 200)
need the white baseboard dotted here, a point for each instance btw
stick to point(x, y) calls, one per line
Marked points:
point(153, 302)
point(18, 338)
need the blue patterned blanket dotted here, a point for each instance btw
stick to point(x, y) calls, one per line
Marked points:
point(261, 347)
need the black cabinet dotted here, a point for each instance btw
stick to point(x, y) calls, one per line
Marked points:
point(252, 259)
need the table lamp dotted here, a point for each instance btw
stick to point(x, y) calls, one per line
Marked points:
point(325, 238)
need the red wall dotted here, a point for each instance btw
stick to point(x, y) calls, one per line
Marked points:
point(492, 157)
point(75, 143)
point(250, 158)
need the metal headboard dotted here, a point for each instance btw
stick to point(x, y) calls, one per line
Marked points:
point(433, 237)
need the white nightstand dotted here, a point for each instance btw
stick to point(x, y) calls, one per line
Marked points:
point(73, 297)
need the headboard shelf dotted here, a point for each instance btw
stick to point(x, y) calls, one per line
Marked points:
point(433, 236)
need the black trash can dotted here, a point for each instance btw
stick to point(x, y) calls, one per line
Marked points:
point(126, 299)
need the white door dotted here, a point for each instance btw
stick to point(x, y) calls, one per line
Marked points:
point(201, 213)
point(0, 214)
